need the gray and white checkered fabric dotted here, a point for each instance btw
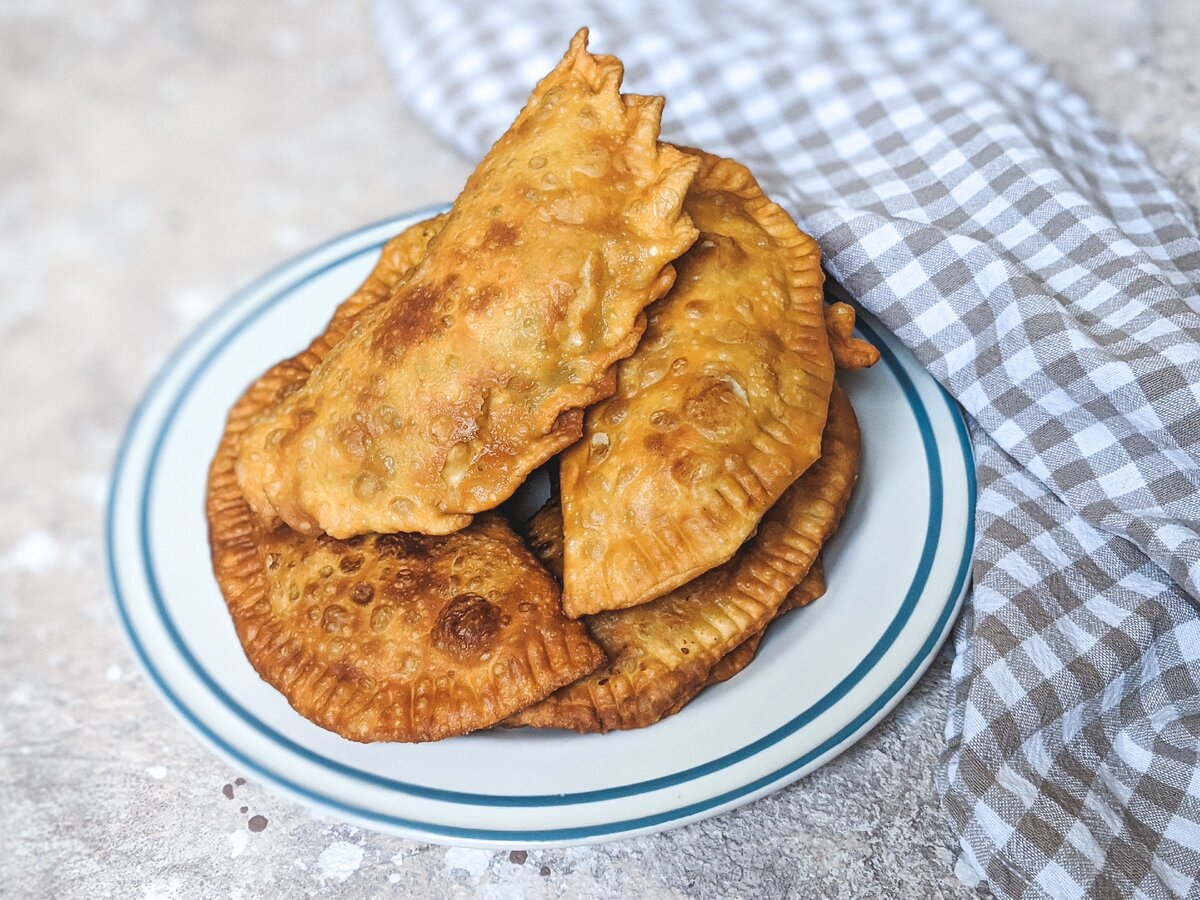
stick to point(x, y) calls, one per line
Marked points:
point(1047, 277)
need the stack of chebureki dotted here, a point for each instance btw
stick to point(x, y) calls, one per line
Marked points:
point(638, 309)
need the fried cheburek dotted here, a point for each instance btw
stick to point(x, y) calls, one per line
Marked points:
point(717, 412)
point(477, 367)
point(387, 637)
point(660, 652)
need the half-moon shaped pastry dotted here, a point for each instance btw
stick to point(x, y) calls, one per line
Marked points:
point(386, 637)
point(662, 651)
point(715, 415)
point(477, 367)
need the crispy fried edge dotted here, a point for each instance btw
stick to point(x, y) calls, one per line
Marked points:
point(733, 662)
point(850, 353)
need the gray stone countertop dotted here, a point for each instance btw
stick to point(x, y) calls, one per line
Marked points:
point(153, 158)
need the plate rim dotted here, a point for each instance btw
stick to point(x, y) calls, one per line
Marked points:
point(842, 739)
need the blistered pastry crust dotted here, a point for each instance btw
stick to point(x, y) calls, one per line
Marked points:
point(477, 367)
point(716, 414)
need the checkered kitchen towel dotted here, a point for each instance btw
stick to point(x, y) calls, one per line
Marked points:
point(1047, 276)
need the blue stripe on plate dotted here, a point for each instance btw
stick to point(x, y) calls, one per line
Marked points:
point(797, 722)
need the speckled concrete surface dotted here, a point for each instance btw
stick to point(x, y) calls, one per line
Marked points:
point(154, 157)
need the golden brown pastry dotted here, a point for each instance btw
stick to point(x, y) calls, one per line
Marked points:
point(715, 415)
point(477, 367)
point(392, 637)
point(727, 666)
point(808, 590)
point(664, 650)
point(387, 637)
point(398, 256)
point(397, 259)
point(543, 533)
point(849, 352)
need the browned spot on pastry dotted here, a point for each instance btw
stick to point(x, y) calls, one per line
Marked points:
point(351, 564)
point(468, 625)
point(355, 437)
point(362, 594)
point(396, 545)
point(410, 322)
point(569, 421)
point(481, 299)
point(500, 234)
point(714, 409)
point(656, 444)
point(344, 670)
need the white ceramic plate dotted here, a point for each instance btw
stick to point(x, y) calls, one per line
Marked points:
point(825, 674)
